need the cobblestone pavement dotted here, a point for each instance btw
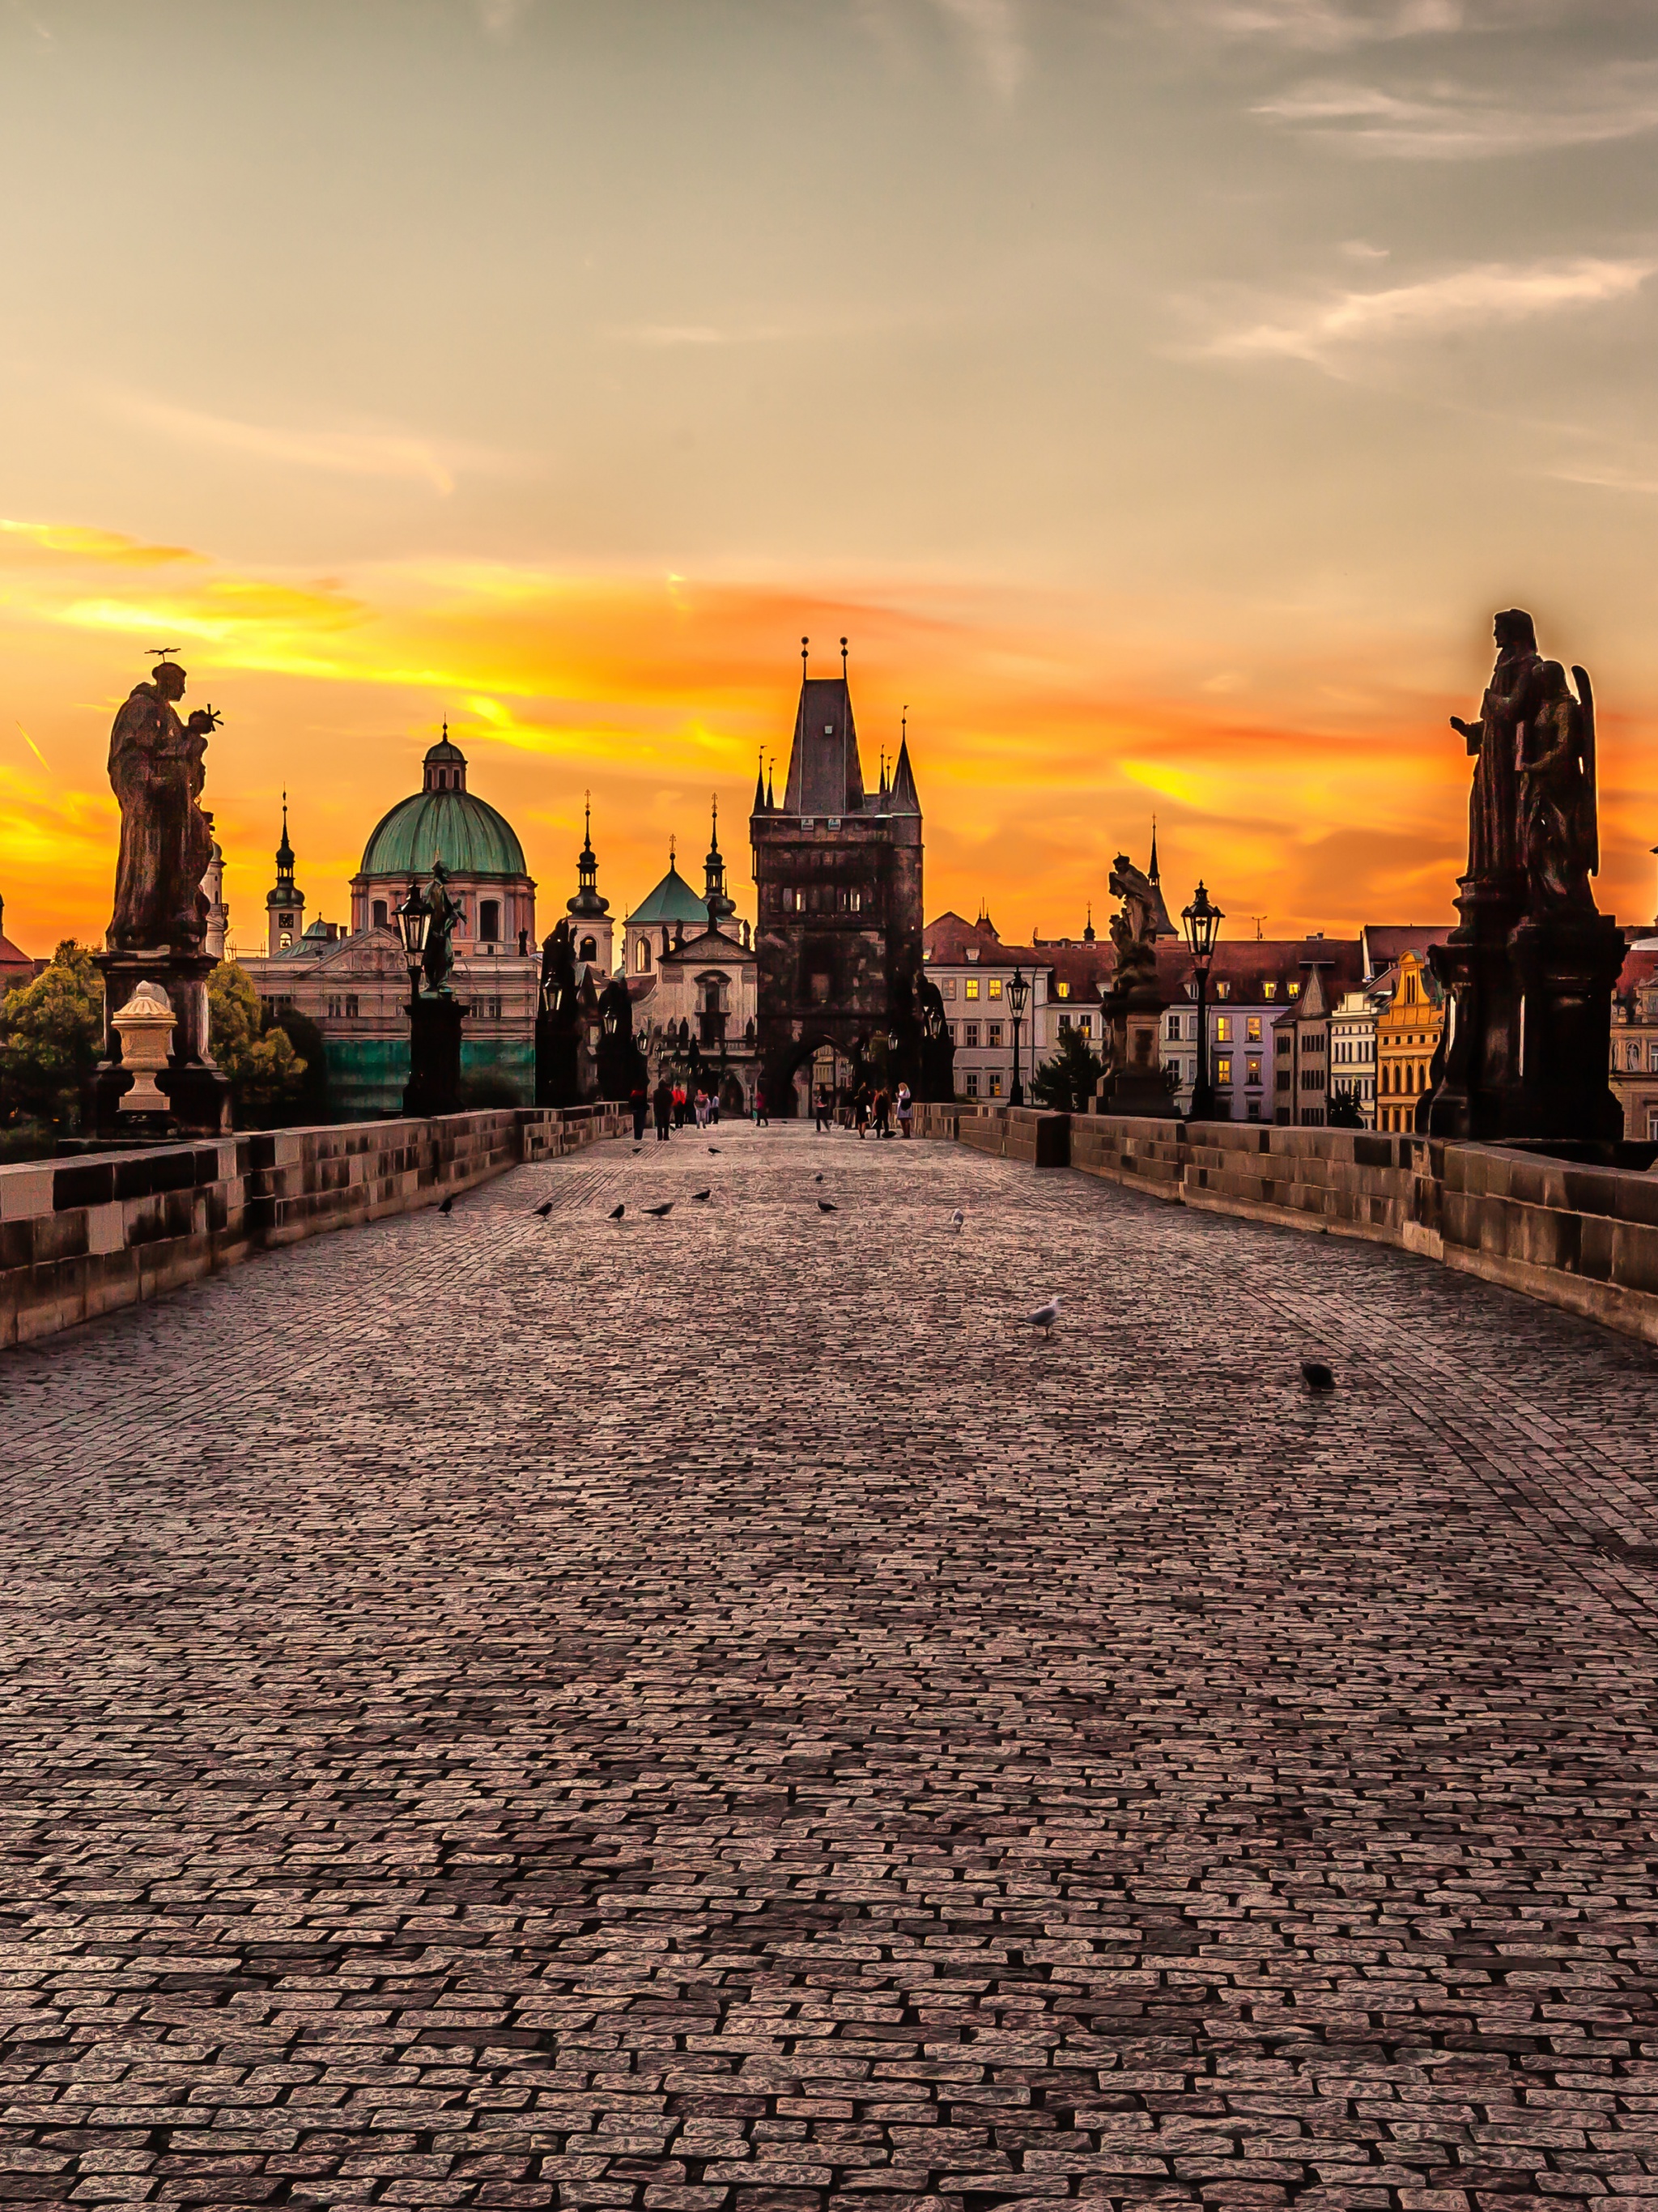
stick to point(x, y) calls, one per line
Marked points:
point(713, 1714)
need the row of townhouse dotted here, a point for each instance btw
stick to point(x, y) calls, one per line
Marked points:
point(1290, 1020)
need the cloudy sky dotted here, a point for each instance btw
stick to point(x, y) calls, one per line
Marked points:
point(1161, 395)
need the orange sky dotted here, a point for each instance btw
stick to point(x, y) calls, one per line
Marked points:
point(1161, 398)
point(1040, 747)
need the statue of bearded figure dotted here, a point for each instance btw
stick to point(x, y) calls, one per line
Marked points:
point(157, 770)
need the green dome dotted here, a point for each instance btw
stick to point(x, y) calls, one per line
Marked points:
point(674, 900)
point(455, 827)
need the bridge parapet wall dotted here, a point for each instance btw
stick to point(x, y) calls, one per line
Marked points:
point(80, 1236)
point(1583, 1237)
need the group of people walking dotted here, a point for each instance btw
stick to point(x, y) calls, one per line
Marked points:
point(858, 1108)
point(670, 1105)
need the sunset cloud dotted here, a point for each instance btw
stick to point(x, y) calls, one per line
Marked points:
point(1325, 331)
point(356, 452)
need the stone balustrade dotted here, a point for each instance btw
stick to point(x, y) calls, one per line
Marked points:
point(81, 1236)
point(1584, 1237)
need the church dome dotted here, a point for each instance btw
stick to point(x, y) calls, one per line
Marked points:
point(674, 900)
point(444, 822)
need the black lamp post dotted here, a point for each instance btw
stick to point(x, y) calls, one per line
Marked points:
point(1018, 997)
point(1203, 923)
point(414, 919)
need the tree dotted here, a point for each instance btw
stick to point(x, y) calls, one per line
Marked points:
point(50, 1033)
point(1068, 1080)
point(312, 1101)
point(1345, 1112)
point(265, 1072)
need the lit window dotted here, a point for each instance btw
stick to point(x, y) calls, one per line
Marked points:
point(1063, 989)
point(971, 991)
point(1222, 990)
point(1252, 1070)
point(1269, 992)
point(1085, 1024)
point(1252, 1028)
point(995, 986)
point(995, 1084)
point(284, 941)
point(1224, 1069)
point(1222, 1029)
point(1295, 990)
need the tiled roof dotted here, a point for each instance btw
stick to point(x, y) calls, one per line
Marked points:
point(1386, 942)
point(948, 941)
point(1246, 965)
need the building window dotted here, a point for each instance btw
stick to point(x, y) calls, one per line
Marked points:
point(1085, 1024)
point(1252, 1070)
point(489, 919)
point(1652, 1057)
point(1252, 1028)
point(1632, 1056)
point(1295, 990)
point(822, 986)
point(971, 1040)
point(379, 914)
point(970, 990)
point(350, 1010)
point(995, 1083)
point(973, 1083)
point(995, 986)
point(947, 988)
point(1223, 1070)
point(589, 949)
point(1222, 1029)
point(333, 1010)
point(284, 941)
point(1065, 1024)
point(1171, 1028)
point(1063, 989)
point(1269, 992)
point(642, 958)
point(995, 1037)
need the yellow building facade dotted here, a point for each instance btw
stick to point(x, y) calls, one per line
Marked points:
point(1407, 1033)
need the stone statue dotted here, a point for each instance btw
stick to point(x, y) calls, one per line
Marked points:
point(1134, 929)
point(438, 961)
point(1559, 842)
point(1496, 740)
point(157, 770)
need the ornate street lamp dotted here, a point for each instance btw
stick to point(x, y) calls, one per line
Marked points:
point(414, 919)
point(1018, 997)
point(1202, 922)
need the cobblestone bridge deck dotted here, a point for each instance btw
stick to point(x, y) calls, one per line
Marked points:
point(710, 1714)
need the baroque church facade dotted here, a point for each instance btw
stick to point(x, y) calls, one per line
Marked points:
point(838, 875)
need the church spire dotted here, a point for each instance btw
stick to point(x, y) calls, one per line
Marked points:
point(760, 784)
point(284, 851)
point(714, 894)
point(1152, 873)
point(587, 902)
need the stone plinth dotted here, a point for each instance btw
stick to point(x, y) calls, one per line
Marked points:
point(433, 1086)
point(197, 1094)
point(1134, 1082)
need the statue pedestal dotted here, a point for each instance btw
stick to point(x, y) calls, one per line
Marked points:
point(434, 1085)
point(1134, 1081)
point(1566, 968)
point(198, 1095)
point(1529, 1028)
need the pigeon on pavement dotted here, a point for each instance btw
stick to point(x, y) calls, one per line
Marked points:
point(1317, 1376)
point(714, 1148)
point(701, 1197)
point(817, 1178)
point(448, 1204)
point(544, 1210)
point(1044, 1318)
point(616, 1211)
point(827, 1206)
point(659, 1212)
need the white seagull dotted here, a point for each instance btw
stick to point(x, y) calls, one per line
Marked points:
point(1044, 1318)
